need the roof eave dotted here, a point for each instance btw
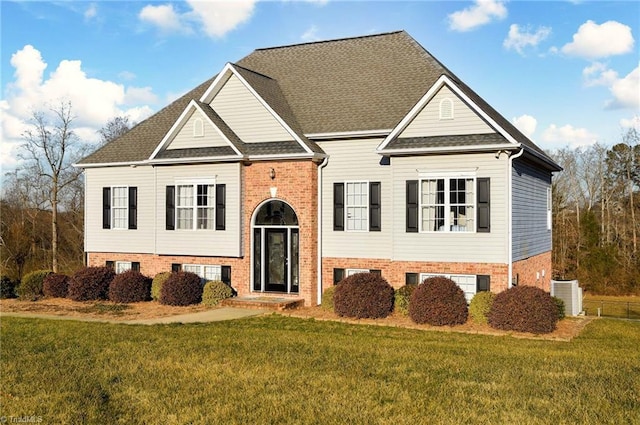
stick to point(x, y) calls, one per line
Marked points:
point(448, 149)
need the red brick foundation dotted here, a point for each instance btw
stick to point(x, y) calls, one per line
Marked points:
point(534, 271)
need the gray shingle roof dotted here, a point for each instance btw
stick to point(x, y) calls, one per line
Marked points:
point(207, 152)
point(354, 84)
point(448, 141)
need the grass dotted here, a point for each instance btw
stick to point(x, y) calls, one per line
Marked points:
point(280, 370)
point(625, 307)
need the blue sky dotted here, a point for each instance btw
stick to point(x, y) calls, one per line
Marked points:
point(566, 73)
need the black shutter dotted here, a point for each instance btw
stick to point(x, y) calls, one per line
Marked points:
point(483, 283)
point(133, 208)
point(176, 267)
point(135, 266)
point(110, 264)
point(171, 208)
point(225, 274)
point(411, 278)
point(376, 271)
point(338, 275)
point(412, 206)
point(484, 207)
point(220, 206)
point(338, 206)
point(374, 207)
point(106, 208)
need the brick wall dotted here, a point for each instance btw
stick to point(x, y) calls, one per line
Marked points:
point(534, 271)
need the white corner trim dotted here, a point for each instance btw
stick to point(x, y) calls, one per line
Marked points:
point(217, 84)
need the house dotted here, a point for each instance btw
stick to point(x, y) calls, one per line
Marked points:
point(299, 165)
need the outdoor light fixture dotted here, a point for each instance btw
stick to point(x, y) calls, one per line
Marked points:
point(272, 173)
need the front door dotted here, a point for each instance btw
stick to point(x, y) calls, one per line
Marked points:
point(277, 259)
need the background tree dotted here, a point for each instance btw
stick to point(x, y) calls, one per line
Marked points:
point(114, 128)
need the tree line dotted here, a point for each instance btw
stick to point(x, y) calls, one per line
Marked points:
point(596, 206)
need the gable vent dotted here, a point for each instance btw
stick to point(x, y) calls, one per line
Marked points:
point(198, 128)
point(446, 109)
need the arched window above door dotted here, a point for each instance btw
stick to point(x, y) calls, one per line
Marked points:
point(276, 213)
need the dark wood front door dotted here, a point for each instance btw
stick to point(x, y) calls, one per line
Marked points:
point(276, 259)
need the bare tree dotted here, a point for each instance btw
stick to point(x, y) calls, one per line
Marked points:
point(50, 147)
point(114, 128)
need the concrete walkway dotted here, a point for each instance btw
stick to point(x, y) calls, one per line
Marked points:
point(215, 315)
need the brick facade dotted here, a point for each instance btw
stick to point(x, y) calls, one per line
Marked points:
point(534, 271)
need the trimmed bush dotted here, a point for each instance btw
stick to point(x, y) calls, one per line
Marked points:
point(561, 309)
point(327, 298)
point(56, 285)
point(402, 298)
point(181, 288)
point(524, 309)
point(215, 291)
point(7, 287)
point(130, 287)
point(363, 295)
point(90, 283)
point(438, 301)
point(31, 286)
point(480, 306)
point(157, 283)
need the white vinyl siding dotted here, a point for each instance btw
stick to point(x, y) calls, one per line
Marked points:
point(490, 247)
point(246, 115)
point(187, 135)
point(98, 239)
point(431, 122)
point(119, 207)
point(355, 161)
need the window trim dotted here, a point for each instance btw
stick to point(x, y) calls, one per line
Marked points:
point(128, 265)
point(194, 183)
point(351, 272)
point(202, 268)
point(447, 176)
point(425, 275)
point(365, 206)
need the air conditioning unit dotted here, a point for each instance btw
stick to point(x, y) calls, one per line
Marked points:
point(571, 293)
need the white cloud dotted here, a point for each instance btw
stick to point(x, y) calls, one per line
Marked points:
point(93, 101)
point(311, 34)
point(626, 91)
point(597, 74)
point(91, 12)
point(633, 122)
point(519, 40)
point(481, 13)
point(569, 135)
point(215, 18)
point(594, 41)
point(127, 75)
point(526, 124)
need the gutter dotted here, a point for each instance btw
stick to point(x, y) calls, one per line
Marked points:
point(510, 215)
point(319, 270)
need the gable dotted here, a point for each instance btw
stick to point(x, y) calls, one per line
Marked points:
point(462, 119)
point(187, 136)
point(246, 115)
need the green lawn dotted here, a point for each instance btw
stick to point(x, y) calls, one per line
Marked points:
point(279, 370)
point(624, 307)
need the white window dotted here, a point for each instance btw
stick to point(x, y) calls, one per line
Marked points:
point(205, 272)
point(357, 202)
point(350, 272)
point(195, 206)
point(119, 211)
point(447, 204)
point(549, 217)
point(446, 109)
point(123, 266)
point(198, 128)
point(466, 282)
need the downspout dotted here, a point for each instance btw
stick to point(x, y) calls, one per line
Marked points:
point(510, 215)
point(324, 163)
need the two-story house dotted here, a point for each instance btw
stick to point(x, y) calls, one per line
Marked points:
point(302, 164)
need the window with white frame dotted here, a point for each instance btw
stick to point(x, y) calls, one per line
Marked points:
point(195, 206)
point(206, 272)
point(357, 202)
point(466, 282)
point(350, 272)
point(119, 204)
point(123, 266)
point(447, 204)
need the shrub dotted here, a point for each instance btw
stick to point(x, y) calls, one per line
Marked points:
point(90, 283)
point(327, 298)
point(181, 288)
point(402, 297)
point(130, 287)
point(7, 287)
point(56, 285)
point(157, 283)
point(561, 309)
point(31, 286)
point(363, 295)
point(215, 291)
point(480, 306)
point(524, 309)
point(438, 301)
